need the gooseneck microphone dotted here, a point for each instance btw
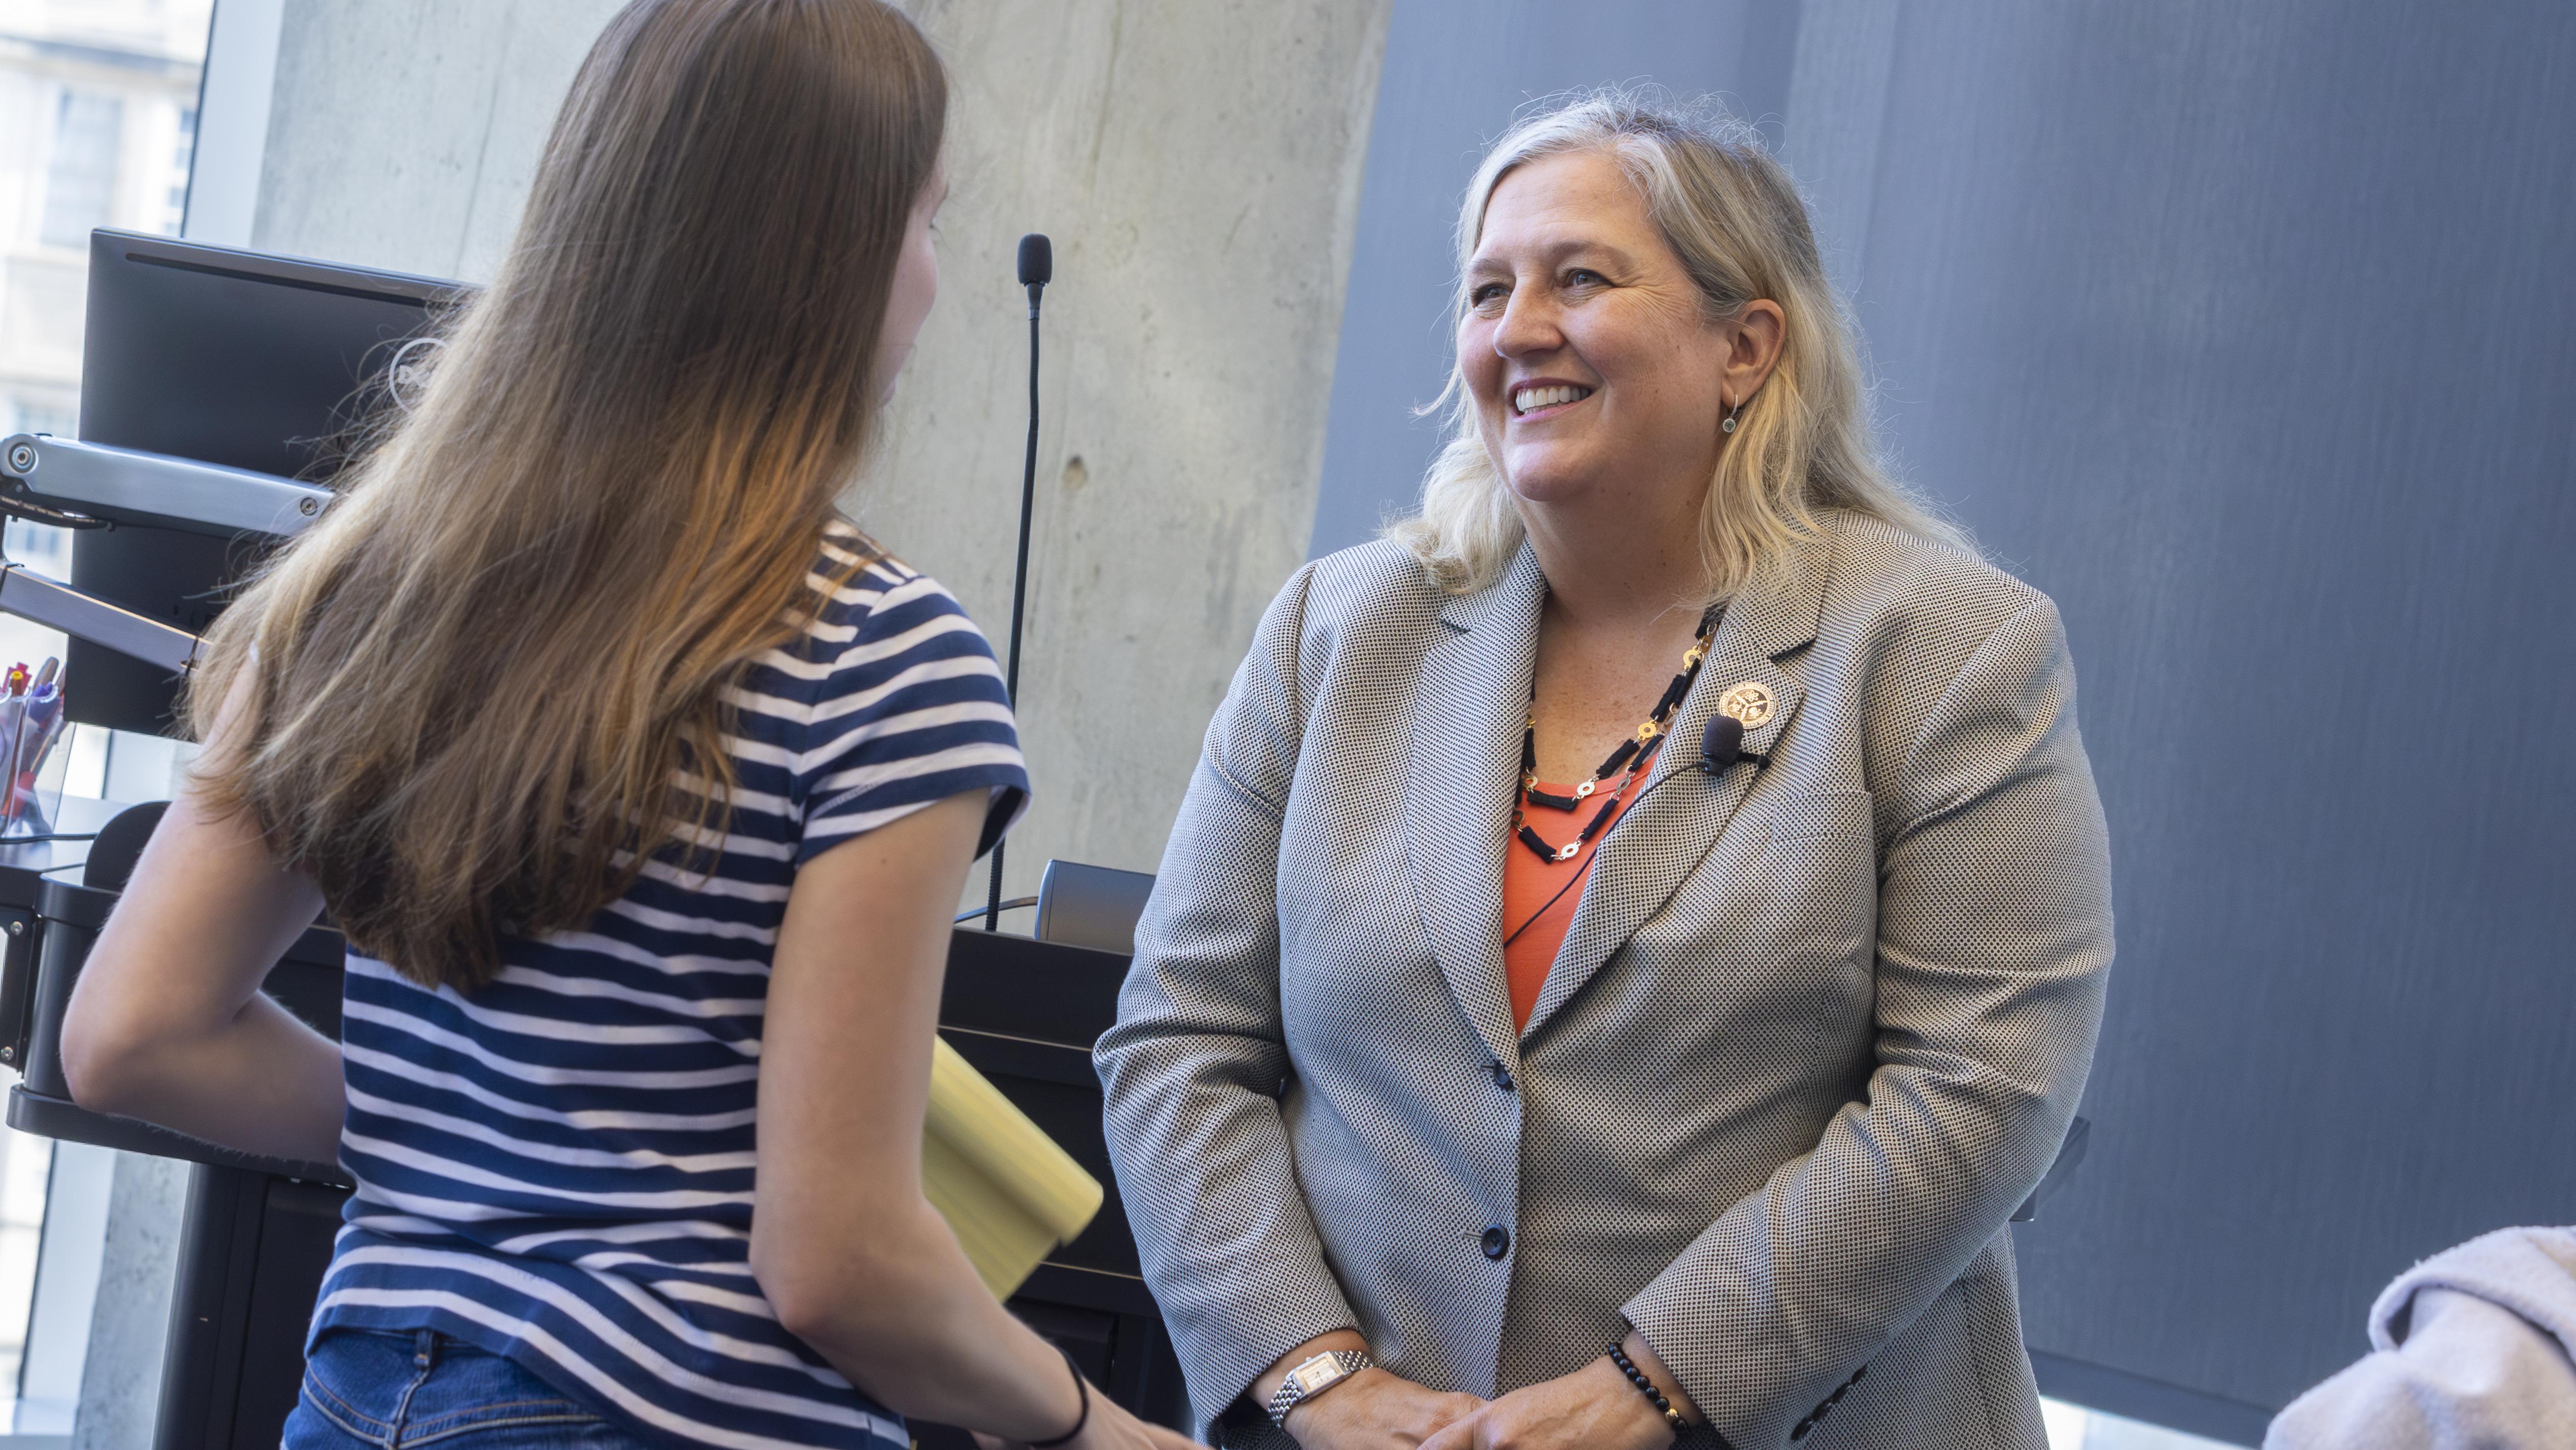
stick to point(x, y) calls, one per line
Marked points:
point(1037, 268)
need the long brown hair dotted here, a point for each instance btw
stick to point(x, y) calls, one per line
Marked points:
point(489, 683)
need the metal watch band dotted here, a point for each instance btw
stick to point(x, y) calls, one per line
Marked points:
point(1312, 1377)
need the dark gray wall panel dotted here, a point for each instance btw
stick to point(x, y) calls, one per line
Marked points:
point(2249, 333)
point(2245, 331)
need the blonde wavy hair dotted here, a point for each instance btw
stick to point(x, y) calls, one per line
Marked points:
point(1802, 442)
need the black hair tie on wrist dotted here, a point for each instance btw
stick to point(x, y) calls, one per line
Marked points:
point(1080, 1422)
point(1647, 1388)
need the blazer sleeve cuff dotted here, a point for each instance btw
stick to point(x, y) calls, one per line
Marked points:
point(1221, 1367)
point(1675, 1322)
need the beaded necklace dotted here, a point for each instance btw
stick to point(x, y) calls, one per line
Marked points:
point(1631, 758)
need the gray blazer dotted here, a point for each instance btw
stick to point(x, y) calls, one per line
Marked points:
point(1817, 1026)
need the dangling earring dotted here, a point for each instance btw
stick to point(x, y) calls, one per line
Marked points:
point(1728, 426)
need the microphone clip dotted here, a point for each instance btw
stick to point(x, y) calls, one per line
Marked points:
point(1723, 745)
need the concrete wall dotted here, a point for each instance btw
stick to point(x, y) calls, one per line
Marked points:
point(71, 1262)
point(129, 1327)
point(405, 136)
point(1197, 163)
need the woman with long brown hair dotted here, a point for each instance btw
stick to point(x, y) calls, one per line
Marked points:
point(641, 783)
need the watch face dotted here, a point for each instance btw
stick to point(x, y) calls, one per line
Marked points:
point(1314, 1375)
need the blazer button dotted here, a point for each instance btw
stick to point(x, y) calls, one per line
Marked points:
point(1497, 1241)
point(1502, 1077)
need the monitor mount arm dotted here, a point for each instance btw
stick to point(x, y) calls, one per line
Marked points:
point(90, 485)
point(30, 595)
point(124, 485)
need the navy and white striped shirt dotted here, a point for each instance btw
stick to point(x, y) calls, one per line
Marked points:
point(557, 1167)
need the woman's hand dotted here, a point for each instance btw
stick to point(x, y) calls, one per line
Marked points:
point(1110, 1428)
point(1374, 1409)
point(1370, 1410)
point(1594, 1408)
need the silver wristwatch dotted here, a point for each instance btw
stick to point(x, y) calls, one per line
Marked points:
point(1312, 1377)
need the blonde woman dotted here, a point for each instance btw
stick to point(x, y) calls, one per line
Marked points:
point(1494, 1070)
point(641, 783)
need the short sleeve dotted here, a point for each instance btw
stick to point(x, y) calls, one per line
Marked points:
point(908, 710)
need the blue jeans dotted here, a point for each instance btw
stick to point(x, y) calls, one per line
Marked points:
point(395, 1391)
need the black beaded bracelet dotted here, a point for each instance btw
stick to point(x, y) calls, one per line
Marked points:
point(1647, 1388)
point(1081, 1421)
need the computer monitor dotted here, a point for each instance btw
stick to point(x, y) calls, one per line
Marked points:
point(225, 356)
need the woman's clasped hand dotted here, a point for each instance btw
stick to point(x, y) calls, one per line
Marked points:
point(1375, 1409)
point(1594, 1408)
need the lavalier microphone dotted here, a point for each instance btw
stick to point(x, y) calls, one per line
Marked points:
point(1721, 749)
point(1723, 743)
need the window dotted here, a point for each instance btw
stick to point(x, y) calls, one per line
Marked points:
point(109, 95)
point(26, 1163)
point(175, 209)
point(80, 178)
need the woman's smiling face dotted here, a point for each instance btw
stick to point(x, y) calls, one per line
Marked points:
point(1587, 348)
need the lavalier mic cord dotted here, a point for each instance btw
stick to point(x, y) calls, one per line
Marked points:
point(1720, 747)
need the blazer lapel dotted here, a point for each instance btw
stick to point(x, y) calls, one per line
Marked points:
point(1664, 835)
point(1470, 709)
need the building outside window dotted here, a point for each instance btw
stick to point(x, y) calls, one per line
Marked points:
point(98, 103)
point(80, 175)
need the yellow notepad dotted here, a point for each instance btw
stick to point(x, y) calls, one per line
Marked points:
point(1007, 1190)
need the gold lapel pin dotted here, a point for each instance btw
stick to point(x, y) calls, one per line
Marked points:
point(1749, 703)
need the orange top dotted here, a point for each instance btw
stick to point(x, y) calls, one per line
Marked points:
point(1529, 883)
